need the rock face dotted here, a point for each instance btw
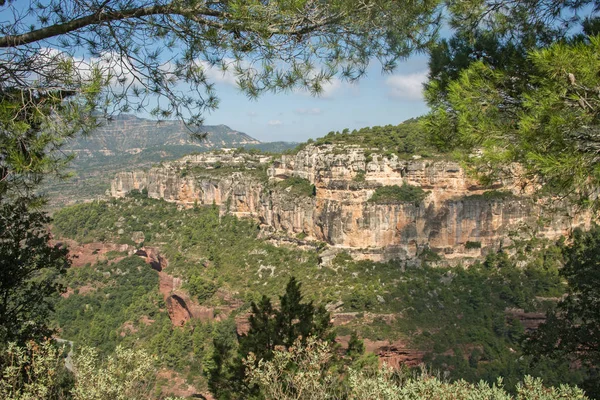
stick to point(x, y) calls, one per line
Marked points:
point(456, 220)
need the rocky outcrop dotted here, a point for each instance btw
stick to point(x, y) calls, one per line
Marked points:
point(152, 257)
point(530, 320)
point(455, 220)
point(394, 354)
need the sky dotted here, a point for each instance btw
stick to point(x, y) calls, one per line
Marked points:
point(377, 99)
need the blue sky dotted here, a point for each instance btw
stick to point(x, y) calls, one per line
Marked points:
point(377, 99)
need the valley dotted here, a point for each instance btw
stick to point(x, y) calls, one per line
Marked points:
point(440, 270)
point(153, 248)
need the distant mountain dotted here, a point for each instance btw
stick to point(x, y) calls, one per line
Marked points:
point(127, 134)
point(128, 143)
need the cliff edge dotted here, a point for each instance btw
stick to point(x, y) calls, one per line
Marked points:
point(326, 193)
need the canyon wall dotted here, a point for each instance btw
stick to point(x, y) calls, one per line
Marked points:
point(458, 220)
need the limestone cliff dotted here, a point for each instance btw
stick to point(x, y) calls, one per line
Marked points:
point(456, 220)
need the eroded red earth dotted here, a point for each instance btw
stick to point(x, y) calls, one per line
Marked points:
point(182, 308)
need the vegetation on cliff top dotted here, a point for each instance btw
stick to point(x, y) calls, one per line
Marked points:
point(491, 195)
point(398, 194)
point(404, 140)
point(297, 187)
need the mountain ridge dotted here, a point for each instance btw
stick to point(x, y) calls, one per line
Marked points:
point(128, 134)
point(130, 142)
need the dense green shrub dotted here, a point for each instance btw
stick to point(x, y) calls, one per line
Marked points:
point(297, 187)
point(404, 140)
point(472, 245)
point(115, 294)
point(201, 288)
point(491, 195)
point(398, 194)
point(314, 377)
point(359, 177)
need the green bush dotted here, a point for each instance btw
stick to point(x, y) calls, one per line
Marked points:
point(491, 195)
point(298, 187)
point(314, 377)
point(359, 177)
point(472, 245)
point(429, 255)
point(398, 194)
point(201, 288)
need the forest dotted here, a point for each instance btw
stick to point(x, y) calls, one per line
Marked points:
point(512, 95)
point(208, 251)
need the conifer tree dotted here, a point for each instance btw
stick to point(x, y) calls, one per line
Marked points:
point(270, 327)
point(30, 273)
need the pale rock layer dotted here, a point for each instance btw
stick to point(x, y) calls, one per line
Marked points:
point(340, 213)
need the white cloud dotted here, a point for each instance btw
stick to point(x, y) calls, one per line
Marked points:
point(109, 64)
point(308, 111)
point(216, 74)
point(328, 89)
point(275, 122)
point(406, 87)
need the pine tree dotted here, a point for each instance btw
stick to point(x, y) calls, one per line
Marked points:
point(572, 331)
point(294, 319)
point(261, 338)
point(30, 273)
point(519, 96)
point(270, 328)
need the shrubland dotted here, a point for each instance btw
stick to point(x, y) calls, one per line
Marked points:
point(515, 82)
point(306, 371)
point(398, 194)
point(404, 140)
point(457, 316)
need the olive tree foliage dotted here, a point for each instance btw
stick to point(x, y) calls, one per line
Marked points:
point(518, 83)
point(125, 375)
point(304, 372)
point(33, 372)
point(65, 63)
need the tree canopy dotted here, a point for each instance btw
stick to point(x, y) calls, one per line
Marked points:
point(30, 273)
point(269, 328)
point(64, 64)
point(571, 331)
point(517, 84)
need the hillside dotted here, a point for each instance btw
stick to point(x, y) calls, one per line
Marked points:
point(170, 281)
point(405, 140)
point(128, 142)
point(375, 225)
point(127, 134)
